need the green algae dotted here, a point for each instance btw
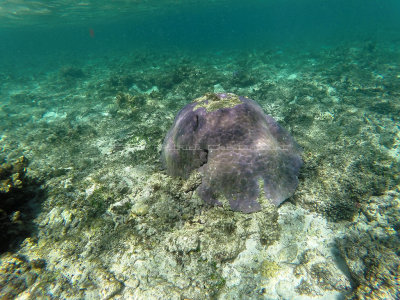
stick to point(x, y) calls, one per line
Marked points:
point(212, 102)
point(269, 268)
point(217, 281)
point(97, 202)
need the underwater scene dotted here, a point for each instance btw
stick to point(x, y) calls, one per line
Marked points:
point(200, 149)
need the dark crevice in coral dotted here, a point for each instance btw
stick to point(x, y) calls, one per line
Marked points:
point(204, 155)
point(197, 123)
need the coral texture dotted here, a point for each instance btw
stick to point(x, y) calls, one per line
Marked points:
point(237, 149)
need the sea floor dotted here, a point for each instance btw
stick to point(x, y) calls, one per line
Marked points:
point(88, 212)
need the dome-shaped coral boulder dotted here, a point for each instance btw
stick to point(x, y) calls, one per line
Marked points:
point(237, 149)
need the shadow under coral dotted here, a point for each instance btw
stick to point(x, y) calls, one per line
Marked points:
point(20, 198)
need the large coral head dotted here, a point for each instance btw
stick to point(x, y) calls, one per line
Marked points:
point(237, 148)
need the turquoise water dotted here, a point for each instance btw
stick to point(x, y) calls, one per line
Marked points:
point(88, 92)
point(30, 30)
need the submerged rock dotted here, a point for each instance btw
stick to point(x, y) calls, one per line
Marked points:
point(240, 152)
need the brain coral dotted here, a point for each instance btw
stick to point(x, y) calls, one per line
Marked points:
point(236, 147)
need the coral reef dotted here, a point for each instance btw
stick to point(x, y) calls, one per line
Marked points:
point(233, 144)
point(112, 225)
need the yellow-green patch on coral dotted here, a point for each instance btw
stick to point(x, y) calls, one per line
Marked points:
point(212, 101)
point(269, 268)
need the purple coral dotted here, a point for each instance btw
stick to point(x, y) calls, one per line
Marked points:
point(237, 149)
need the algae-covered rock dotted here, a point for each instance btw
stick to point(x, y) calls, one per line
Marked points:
point(177, 246)
point(17, 273)
point(370, 249)
point(320, 274)
point(269, 268)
